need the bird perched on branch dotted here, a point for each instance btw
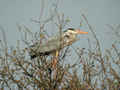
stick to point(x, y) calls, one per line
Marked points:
point(55, 43)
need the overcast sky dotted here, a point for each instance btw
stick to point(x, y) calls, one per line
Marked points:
point(98, 12)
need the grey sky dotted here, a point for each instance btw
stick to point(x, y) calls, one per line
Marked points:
point(98, 12)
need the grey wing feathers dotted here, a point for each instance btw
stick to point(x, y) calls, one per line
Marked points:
point(51, 45)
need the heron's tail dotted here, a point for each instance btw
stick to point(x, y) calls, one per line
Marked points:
point(32, 54)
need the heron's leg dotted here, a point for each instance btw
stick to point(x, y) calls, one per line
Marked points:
point(54, 64)
point(57, 53)
point(55, 59)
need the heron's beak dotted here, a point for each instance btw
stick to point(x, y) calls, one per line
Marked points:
point(78, 31)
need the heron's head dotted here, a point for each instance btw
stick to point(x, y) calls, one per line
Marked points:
point(74, 31)
point(70, 35)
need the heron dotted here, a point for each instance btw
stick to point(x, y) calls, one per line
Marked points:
point(55, 43)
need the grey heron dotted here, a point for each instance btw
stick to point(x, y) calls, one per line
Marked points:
point(55, 43)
